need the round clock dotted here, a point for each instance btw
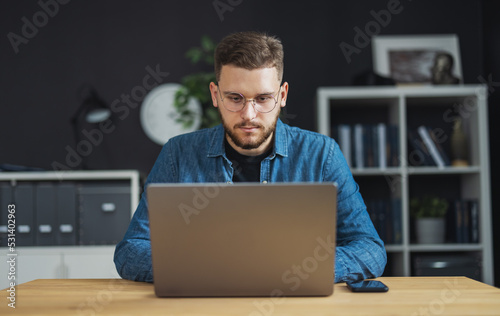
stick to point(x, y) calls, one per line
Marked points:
point(159, 116)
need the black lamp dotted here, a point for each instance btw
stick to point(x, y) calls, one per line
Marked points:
point(92, 110)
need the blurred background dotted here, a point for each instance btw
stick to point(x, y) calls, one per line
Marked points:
point(112, 45)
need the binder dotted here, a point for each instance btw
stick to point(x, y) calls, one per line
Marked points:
point(66, 225)
point(24, 195)
point(45, 218)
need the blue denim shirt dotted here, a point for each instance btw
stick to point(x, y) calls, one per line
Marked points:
point(298, 156)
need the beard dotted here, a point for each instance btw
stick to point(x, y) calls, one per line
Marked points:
point(246, 142)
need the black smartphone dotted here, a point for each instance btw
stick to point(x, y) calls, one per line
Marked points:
point(367, 286)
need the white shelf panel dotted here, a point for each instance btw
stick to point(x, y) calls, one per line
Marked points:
point(445, 247)
point(445, 170)
point(376, 171)
point(394, 248)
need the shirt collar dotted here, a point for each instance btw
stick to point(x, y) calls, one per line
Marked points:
point(216, 147)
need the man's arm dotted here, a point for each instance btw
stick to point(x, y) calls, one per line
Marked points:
point(133, 254)
point(360, 253)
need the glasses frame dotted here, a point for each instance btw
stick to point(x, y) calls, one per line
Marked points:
point(245, 100)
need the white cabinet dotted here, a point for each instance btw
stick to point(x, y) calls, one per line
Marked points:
point(79, 262)
point(406, 177)
point(89, 254)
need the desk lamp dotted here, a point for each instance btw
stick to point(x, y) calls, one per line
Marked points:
point(92, 110)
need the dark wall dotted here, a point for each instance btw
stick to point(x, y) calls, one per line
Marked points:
point(492, 70)
point(109, 44)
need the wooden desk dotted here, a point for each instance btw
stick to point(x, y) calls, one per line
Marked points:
point(406, 296)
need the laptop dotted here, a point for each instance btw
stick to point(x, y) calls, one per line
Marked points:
point(243, 239)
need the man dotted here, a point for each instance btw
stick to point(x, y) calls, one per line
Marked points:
point(252, 144)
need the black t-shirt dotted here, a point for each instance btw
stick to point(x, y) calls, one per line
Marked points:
point(246, 168)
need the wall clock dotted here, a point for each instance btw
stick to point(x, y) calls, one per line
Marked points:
point(159, 116)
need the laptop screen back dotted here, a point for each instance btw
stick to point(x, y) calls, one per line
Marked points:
point(243, 239)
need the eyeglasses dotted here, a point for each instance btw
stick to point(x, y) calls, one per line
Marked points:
point(235, 102)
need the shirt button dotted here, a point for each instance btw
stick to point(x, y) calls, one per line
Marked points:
point(264, 181)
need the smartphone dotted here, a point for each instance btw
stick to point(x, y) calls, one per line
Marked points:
point(367, 286)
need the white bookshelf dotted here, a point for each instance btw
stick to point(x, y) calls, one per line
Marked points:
point(403, 106)
point(68, 261)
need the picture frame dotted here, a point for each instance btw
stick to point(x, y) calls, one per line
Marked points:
point(409, 59)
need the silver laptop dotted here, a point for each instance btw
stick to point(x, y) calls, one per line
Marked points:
point(245, 239)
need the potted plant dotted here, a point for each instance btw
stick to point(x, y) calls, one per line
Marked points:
point(429, 213)
point(196, 86)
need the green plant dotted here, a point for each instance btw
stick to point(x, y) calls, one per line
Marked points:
point(428, 206)
point(196, 86)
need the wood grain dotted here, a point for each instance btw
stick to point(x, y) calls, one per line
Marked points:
point(406, 296)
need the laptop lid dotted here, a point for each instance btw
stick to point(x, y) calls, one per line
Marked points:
point(243, 239)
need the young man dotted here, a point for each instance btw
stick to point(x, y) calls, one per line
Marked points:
point(252, 144)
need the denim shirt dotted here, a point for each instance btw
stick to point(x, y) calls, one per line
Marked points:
point(298, 156)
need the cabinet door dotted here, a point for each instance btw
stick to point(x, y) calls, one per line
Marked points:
point(90, 266)
point(104, 213)
point(27, 267)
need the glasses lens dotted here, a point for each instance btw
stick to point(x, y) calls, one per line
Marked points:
point(263, 103)
point(234, 102)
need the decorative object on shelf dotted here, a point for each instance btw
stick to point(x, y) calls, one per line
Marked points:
point(369, 78)
point(459, 156)
point(442, 70)
point(411, 59)
point(160, 118)
point(429, 213)
point(196, 86)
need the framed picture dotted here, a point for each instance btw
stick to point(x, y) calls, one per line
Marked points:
point(418, 59)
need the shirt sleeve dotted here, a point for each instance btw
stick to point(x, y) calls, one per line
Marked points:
point(360, 253)
point(133, 254)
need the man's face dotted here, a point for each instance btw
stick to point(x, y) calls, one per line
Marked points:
point(248, 131)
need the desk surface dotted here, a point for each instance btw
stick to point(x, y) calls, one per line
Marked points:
point(406, 296)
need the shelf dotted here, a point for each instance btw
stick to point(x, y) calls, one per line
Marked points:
point(414, 170)
point(394, 248)
point(376, 171)
point(445, 170)
point(445, 247)
point(387, 191)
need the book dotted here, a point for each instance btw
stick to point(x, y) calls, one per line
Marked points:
point(438, 144)
point(344, 139)
point(473, 207)
point(358, 146)
point(368, 149)
point(418, 155)
point(381, 145)
point(429, 144)
point(393, 146)
point(463, 221)
point(397, 225)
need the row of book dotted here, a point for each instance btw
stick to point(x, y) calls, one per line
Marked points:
point(368, 145)
point(426, 147)
point(462, 221)
point(386, 217)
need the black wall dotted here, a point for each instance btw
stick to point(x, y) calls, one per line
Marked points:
point(108, 44)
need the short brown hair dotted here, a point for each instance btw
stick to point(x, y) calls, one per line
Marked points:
point(249, 50)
